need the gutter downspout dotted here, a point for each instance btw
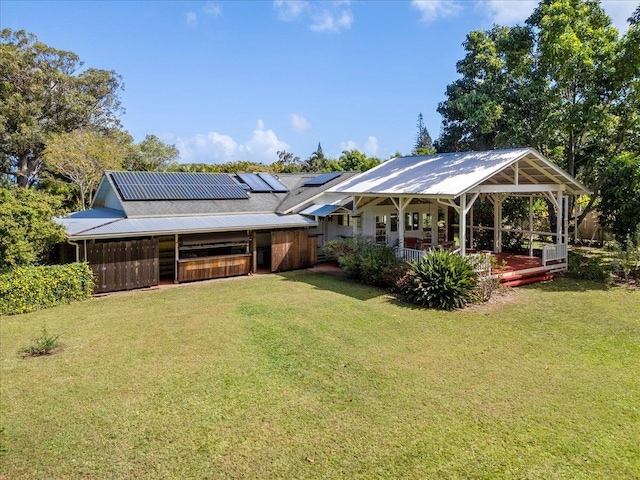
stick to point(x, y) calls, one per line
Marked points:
point(77, 245)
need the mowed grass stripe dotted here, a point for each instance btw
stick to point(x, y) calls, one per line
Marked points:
point(304, 375)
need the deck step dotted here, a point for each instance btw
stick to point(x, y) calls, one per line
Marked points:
point(509, 276)
point(525, 279)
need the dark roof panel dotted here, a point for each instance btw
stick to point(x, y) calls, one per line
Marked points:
point(147, 186)
point(321, 179)
point(273, 182)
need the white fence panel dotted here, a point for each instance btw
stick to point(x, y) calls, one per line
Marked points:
point(552, 253)
point(409, 254)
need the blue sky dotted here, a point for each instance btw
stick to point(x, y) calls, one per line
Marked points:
point(236, 80)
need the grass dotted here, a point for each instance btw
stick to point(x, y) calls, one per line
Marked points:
point(304, 375)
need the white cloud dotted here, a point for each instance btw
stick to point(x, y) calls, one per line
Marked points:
point(289, 10)
point(332, 21)
point(215, 147)
point(348, 145)
point(299, 123)
point(434, 9)
point(265, 144)
point(212, 9)
point(507, 12)
point(370, 148)
point(191, 17)
point(323, 16)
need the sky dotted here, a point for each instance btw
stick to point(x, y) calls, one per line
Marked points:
point(241, 80)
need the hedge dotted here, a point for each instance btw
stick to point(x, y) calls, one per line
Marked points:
point(25, 289)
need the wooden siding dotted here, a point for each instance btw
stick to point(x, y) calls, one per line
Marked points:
point(292, 249)
point(167, 253)
point(124, 265)
point(213, 267)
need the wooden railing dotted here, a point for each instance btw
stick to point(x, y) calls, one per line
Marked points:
point(551, 253)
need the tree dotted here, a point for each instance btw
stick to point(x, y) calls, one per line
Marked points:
point(81, 157)
point(356, 161)
point(317, 162)
point(151, 155)
point(43, 91)
point(27, 231)
point(563, 83)
point(287, 163)
point(620, 196)
point(423, 145)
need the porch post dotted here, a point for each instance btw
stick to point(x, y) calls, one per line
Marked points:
point(463, 223)
point(497, 223)
point(471, 227)
point(560, 219)
point(400, 223)
point(566, 219)
point(531, 225)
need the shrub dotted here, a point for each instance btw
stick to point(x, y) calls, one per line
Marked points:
point(626, 263)
point(582, 267)
point(366, 262)
point(25, 289)
point(42, 345)
point(441, 279)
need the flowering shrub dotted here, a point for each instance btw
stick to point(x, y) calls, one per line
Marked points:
point(25, 289)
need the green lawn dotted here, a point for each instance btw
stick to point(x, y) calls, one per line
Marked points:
point(304, 375)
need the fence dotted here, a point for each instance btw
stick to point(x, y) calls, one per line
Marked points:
point(551, 253)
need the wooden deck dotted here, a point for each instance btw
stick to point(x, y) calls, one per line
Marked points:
point(516, 270)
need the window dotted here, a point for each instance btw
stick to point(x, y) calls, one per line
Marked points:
point(381, 229)
point(394, 222)
point(411, 221)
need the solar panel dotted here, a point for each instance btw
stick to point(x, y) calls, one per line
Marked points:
point(262, 182)
point(321, 179)
point(255, 182)
point(273, 182)
point(177, 186)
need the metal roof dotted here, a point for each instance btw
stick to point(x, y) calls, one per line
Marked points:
point(87, 219)
point(135, 227)
point(453, 174)
point(320, 210)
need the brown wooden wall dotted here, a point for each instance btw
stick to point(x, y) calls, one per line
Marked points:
point(213, 267)
point(124, 265)
point(292, 249)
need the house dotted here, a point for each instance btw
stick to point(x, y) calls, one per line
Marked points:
point(148, 227)
point(145, 227)
point(423, 202)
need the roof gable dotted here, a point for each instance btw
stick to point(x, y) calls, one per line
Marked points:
point(452, 174)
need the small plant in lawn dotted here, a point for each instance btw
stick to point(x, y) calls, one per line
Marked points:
point(626, 263)
point(441, 279)
point(43, 344)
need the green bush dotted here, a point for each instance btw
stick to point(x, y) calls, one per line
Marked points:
point(25, 289)
point(582, 267)
point(366, 262)
point(441, 279)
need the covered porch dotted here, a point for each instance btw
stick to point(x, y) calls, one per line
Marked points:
point(438, 195)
